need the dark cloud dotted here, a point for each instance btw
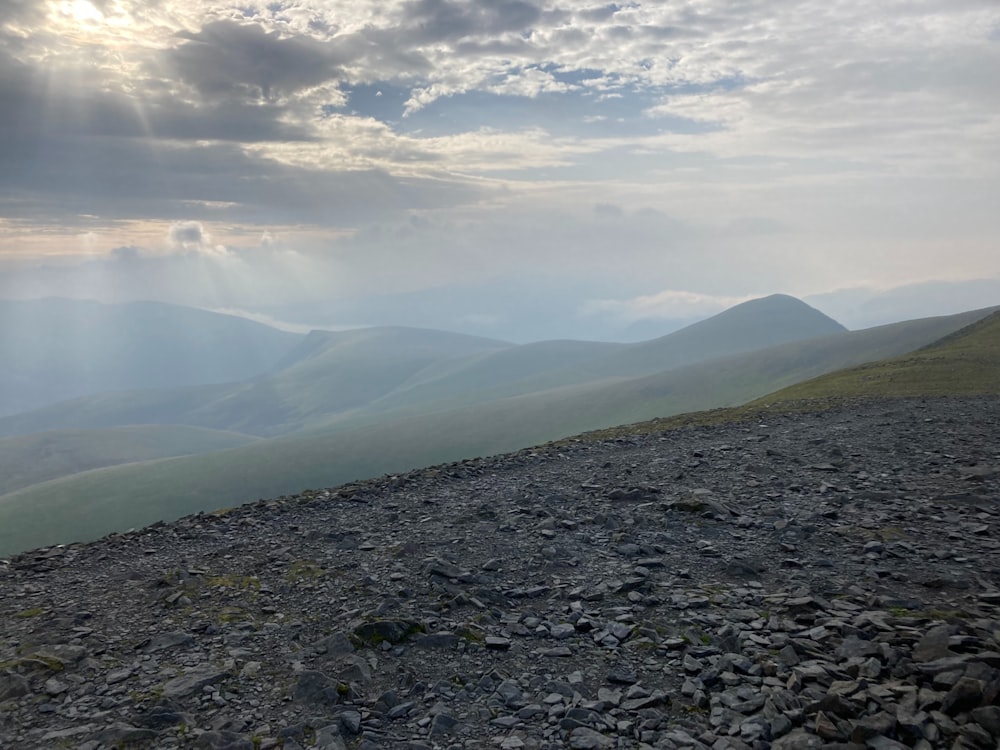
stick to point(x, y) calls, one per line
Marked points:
point(186, 233)
point(68, 149)
point(19, 102)
point(439, 20)
point(21, 11)
point(133, 178)
point(227, 58)
point(41, 106)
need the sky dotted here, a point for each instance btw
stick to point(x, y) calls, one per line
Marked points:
point(516, 168)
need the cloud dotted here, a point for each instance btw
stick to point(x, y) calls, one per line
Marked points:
point(667, 304)
point(225, 58)
point(430, 21)
point(711, 148)
point(187, 234)
point(14, 13)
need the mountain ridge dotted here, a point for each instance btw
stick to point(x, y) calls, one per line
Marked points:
point(330, 376)
point(286, 464)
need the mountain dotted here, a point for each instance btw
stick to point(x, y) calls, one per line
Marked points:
point(57, 349)
point(353, 378)
point(92, 503)
point(759, 323)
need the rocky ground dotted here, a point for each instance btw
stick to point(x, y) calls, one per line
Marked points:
point(818, 580)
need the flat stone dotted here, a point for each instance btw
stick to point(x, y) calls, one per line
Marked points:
point(584, 738)
point(442, 724)
point(118, 675)
point(193, 681)
point(165, 641)
point(621, 675)
point(562, 631)
point(798, 740)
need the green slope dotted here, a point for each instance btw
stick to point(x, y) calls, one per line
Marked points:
point(117, 408)
point(342, 371)
point(327, 373)
point(717, 382)
point(30, 459)
point(90, 504)
point(964, 363)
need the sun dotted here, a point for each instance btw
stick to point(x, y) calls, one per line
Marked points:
point(81, 11)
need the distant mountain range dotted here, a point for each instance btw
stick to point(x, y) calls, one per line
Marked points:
point(332, 407)
point(327, 377)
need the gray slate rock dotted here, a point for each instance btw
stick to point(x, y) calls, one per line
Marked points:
point(193, 681)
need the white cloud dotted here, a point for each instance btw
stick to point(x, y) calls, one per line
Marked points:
point(668, 304)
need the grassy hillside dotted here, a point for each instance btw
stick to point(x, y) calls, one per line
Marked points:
point(344, 370)
point(327, 373)
point(29, 459)
point(117, 408)
point(719, 382)
point(965, 362)
point(57, 349)
point(93, 503)
point(548, 366)
point(492, 375)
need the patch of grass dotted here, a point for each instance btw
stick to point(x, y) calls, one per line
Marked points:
point(25, 614)
point(304, 570)
point(471, 634)
point(34, 662)
point(947, 614)
point(233, 614)
point(891, 533)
